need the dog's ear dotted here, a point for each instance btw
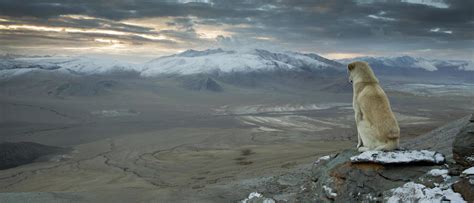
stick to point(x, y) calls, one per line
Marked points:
point(351, 66)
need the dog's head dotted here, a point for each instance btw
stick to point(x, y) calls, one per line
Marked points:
point(360, 71)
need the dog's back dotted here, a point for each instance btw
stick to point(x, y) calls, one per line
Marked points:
point(375, 106)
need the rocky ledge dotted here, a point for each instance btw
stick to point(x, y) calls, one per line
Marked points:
point(416, 175)
point(378, 176)
point(400, 157)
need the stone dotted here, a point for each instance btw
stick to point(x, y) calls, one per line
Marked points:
point(465, 185)
point(463, 145)
point(414, 192)
point(465, 188)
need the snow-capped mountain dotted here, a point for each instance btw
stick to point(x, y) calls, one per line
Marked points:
point(218, 60)
point(185, 63)
point(213, 61)
point(413, 63)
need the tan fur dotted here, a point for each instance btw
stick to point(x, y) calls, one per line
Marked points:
point(377, 127)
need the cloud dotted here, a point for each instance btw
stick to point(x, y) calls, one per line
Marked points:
point(324, 26)
point(433, 3)
point(441, 31)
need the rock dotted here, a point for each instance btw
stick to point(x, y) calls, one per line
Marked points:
point(465, 185)
point(366, 177)
point(413, 192)
point(419, 175)
point(463, 146)
point(340, 180)
point(436, 178)
point(399, 157)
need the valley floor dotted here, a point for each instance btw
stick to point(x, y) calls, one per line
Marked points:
point(178, 145)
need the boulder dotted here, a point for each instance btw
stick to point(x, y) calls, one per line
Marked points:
point(463, 146)
point(465, 185)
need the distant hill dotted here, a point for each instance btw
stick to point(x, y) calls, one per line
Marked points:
point(16, 154)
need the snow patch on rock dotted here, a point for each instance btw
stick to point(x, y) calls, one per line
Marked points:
point(254, 196)
point(469, 171)
point(414, 192)
point(439, 172)
point(323, 158)
point(329, 192)
point(397, 157)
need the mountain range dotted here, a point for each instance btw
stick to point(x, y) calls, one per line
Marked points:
point(222, 61)
point(212, 68)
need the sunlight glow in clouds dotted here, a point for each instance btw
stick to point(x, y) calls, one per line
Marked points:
point(342, 55)
point(79, 17)
point(77, 30)
point(109, 41)
point(211, 32)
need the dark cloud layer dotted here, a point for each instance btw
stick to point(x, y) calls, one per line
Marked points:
point(382, 27)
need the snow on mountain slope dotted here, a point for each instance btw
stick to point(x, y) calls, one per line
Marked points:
point(76, 65)
point(188, 62)
point(216, 60)
point(211, 60)
point(411, 62)
point(93, 65)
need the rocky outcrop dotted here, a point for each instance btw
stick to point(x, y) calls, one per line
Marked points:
point(16, 154)
point(463, 146)
point(353, 177)
point(416, 175)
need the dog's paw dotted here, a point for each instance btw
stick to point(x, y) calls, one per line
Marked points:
point(363, 149)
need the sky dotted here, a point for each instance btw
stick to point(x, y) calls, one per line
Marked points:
point(152, 28)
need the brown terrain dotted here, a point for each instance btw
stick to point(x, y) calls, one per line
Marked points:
point(130, 139)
